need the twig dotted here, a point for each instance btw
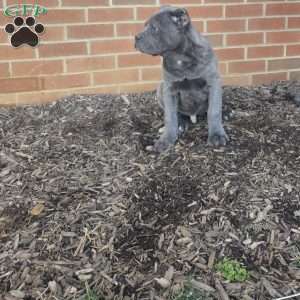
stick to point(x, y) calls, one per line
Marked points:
point(288, 297)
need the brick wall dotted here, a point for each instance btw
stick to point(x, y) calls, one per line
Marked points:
point(88, 46)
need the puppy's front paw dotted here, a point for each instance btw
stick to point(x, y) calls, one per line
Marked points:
point(218, 138)
point(162, 144)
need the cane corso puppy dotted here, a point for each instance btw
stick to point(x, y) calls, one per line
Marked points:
point(191, 83)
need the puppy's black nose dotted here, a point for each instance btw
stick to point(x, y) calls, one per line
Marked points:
point(138, 37)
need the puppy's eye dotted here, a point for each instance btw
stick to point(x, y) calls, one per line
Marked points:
point(154, 28)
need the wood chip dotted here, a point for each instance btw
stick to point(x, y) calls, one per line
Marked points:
point(220, 289)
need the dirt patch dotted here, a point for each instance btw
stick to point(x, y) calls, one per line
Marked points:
point(115, 216)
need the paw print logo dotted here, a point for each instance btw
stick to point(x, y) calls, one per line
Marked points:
point(24, 31)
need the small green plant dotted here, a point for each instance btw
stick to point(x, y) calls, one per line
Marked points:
point(189, 293)
point(232, 270)
point(90, 295)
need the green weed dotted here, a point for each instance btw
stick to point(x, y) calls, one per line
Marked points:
point(232, 270)
point(90, 295)
point(189, 293)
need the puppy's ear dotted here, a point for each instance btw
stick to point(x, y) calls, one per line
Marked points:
point(181, 17)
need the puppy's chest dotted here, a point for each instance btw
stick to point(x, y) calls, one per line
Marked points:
point(193, 95)
point(180, 66)
point(196, 84)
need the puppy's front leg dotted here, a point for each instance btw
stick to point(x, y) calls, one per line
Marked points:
point(216, 133)
point(170, 134)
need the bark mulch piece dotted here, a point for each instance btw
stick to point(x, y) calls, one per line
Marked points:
point(84, 203)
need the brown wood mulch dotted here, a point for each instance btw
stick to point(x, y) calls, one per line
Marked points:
point(84, 203)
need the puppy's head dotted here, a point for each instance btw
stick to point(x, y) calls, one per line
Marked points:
point(164, 31)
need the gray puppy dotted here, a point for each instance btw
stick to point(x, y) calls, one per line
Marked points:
point(293, 92)
point(191, 83)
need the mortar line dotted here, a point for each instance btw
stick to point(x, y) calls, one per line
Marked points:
point(65, 66)
point(88, 46)
point(10, 68)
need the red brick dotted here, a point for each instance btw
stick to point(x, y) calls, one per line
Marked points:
point(197, 12)
point(178, 2)
point(151, 74)
point(90, 31)
point(246, 66)
point(37, 67)
point(16, 85)
point(144, 13)
point(62, 16)
point(283, 9)
point(45, 3)
point(230, 53)
point(109, 89)
point(268, 78)
point(266, 23)
point(133, 2)
point(112, 46)
point(237, 80)
point(223, 1)
point(226, 26)
point(294, 22)
point(129, 29)
point(293, 50)
point(199, 25)
point(202, 12)
point(243, 10)
point(53, 34)
point(85, 3)
point(244, 39)
point(138, 88)
point(7, 52)
point(266, 0)
point(90, 63)
point(283, 64)
point(283, 37)
point(116, 77)
point(133, 60)
point(4, 20)
point(4, 38)
point(65, 81)
point(265, 51)
point(41, 97)
point(4, 70)
point(110, 15)
point(62, 49)
point(216, 40)
point(222, 67)
point(8, 99)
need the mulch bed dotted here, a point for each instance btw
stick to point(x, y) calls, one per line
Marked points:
point(84, 203)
